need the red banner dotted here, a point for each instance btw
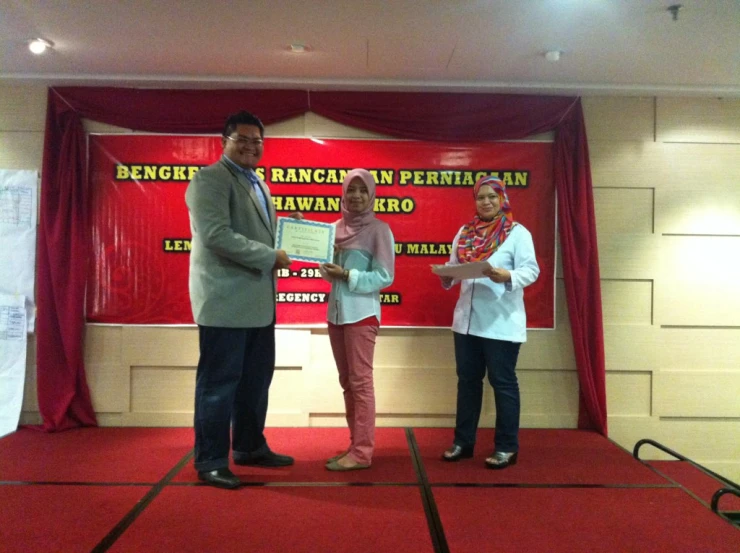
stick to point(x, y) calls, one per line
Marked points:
point(141, 233)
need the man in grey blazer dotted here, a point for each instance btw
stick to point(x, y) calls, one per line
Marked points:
point(232, 291)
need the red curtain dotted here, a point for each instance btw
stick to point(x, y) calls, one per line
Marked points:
point(64, 235)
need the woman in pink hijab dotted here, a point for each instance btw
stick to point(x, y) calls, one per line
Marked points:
point(363, 265)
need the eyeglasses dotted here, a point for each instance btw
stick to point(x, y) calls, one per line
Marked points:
point(241, 141)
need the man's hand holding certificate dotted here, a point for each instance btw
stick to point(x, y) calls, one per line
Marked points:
point(304, 240)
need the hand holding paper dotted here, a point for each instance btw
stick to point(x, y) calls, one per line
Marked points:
point(462, 272)
point(497, 274)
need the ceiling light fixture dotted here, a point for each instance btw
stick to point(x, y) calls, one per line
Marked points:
point(40, 45)
point(553, 55)
point(299, 48)
point(674, 9)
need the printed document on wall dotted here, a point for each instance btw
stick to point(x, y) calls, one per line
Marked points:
point(13, 339)
point(18, 214)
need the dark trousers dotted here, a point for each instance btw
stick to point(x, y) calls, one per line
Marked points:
point(473, 355)
point(231, 389)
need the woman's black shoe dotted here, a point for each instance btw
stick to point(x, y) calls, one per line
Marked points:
point(220, 478)
point(501, 460)
point(456, 452)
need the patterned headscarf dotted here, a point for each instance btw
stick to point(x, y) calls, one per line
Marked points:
point(479, 239)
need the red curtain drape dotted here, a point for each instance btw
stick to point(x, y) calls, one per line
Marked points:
point(64, 232)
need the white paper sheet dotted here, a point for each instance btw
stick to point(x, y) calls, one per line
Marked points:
point(18, 215)
point(463, 271)
point(13, 340)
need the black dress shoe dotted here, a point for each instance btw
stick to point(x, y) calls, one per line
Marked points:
point(500, 460)
point(220, 478)
point(456, 452)
point(269, 459)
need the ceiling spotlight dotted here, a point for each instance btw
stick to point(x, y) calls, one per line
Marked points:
point(39, 45)
point(299, 48)
point(674, 9)
point(553, 55)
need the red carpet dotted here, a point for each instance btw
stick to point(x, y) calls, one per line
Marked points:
point(61, 518)
point(129, 455)
point(314, 510)
point(281, 519)
point(698, 482)
point(581, 520)
point(311, 447)
point(545, 457)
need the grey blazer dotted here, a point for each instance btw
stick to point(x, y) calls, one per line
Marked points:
point(232, 283)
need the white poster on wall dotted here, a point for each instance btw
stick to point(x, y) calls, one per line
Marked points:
point(18, 216)
point(13, 339)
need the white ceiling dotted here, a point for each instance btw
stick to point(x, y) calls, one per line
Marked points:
point(626, 47)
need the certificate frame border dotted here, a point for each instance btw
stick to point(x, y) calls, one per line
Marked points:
point(332, 234)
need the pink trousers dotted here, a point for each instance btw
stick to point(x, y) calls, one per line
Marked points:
point(353, 348)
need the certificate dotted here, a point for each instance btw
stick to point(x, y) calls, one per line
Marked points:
point(306, 240)
point(463, 271)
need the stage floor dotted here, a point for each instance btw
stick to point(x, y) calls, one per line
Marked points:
point(135, 489)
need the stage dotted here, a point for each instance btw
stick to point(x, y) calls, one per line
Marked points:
point(135, 489)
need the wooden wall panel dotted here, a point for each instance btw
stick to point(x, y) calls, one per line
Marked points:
point(711, 443)
point(159, 346)
point(400, 389)
point(172, 390)
point(686, 393)
point(619, 118)
point(699, 348)
point(626, 164)
point(629, 394)
point(547, 393)
point(22, 108)
point(396, 347)
point(178, 346)
point(109, 387)
point(550, 348)
point(627, 302)
point(709, 120)
point(386, 420)
point(293, 348)
point(631, 348)
point(647, 165)
point(699, 167)
point(549, 400)
point(623, 210)
point(709, 212)
point(21, 150)
point(699, 281)
point(410, 391)
point(162, 389)
point(547, 349)
point(288, 392)
point(628, 256)
point(103, 344)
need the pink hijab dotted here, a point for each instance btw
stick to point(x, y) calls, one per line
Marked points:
point(362, 231)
